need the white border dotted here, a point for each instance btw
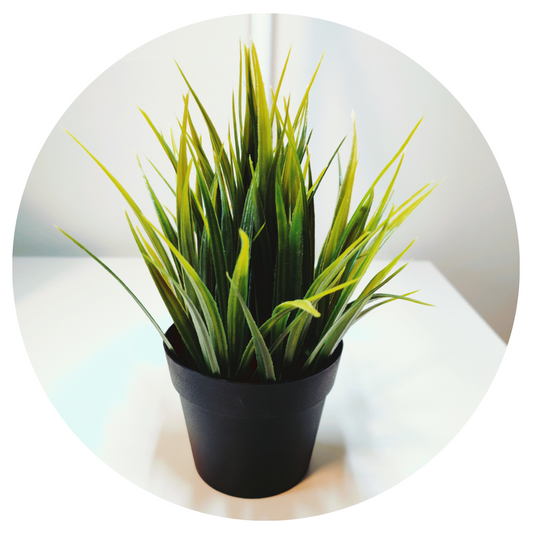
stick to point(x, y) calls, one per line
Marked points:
point(480, 51)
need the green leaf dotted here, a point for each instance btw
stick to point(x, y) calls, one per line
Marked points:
point(337, 267)
point(296, 247)
point(261, 263)
point(166, 225)
point(304, 305)
point(356, 226)
point(264, 361)
point(303, 105)
point(209, 309)
point(312, 190)
point(276, 94)
point(236, 317)
point(137, 301)
point(278, 315)
point(172, 190)
point(260, 190)
point(215, 139)
point(264, 152)
point(281, 276)
point(201, 328)
point(214, 235)
point(295, 342)
point(333, 336)
point(356, 273)
point(172, 301)
point(381, 275)
point(146, 224)
point(341, 210)
point(166, 147)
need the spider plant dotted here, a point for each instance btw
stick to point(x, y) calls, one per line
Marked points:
point(234, 260)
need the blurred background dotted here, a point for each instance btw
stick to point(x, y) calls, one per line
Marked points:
point(466, 227)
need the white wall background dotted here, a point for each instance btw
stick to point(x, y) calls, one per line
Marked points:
point(466, 227)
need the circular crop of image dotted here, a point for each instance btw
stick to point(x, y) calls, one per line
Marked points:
point(344, 177)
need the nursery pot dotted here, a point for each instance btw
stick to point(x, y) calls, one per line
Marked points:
point(250, 440)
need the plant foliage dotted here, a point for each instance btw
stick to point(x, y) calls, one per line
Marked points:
point(235, 265)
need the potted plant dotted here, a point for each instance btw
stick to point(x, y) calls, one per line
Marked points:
point(257, 322)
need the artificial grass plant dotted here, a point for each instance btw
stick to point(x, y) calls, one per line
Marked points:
point(234, 260)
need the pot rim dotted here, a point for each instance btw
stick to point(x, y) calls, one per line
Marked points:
point(252, 400)
point(335, 355)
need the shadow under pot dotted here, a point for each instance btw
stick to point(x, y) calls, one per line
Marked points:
point(250, 440)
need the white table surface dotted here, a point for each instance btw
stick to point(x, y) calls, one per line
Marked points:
point(409, 379)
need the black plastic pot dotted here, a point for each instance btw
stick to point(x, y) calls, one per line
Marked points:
point(250, 440)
